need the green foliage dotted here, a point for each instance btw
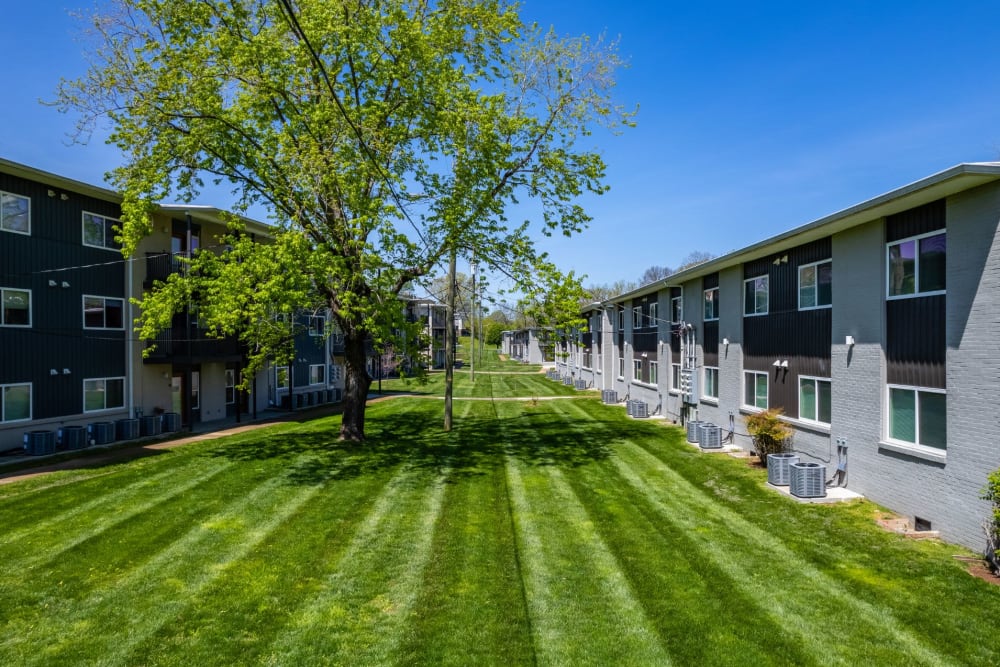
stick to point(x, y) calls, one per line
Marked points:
point(493, 332)
point(771, 435)
point(382, 135)
point(992, 524)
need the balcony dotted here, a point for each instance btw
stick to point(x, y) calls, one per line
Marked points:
point(175, 346)
point(159, 266)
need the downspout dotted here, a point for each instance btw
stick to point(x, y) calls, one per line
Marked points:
point(130, 341)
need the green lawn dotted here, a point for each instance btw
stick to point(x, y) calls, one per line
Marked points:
point(548, 532)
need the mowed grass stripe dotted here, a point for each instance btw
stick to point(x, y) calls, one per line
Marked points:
point(359, 613)
point(152, 594)
point(577, 595)
point(792, 587)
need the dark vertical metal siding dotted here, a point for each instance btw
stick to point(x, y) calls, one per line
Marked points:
point(921, 220)
point(915, 341)
point(710, 343)
point(710, 281)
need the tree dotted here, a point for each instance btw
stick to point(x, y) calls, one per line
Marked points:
point(383, 136)
point(654, 273)
point(494, 332)
point(608, 291)
point(694, 258)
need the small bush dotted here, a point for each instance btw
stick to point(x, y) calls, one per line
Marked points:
point(992, 524)
point(770, 434)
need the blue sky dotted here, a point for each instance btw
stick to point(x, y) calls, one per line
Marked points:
point(753, 117)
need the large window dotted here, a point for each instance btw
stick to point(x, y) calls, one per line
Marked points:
point(654, 372)
point(281, 377)
point(16, 307)
point(317, 325)
point(101, 312)
point(637, 370)
point(621, 319)
point(15, 213)
point(675, 377)
point(710, 387)
point(918, 416)
point(588, 360)
point(637, 317)
point(15, 402)
point(916, 266)
point(621, 367)
point(815, 285)
point(653, 314)
point(755, 389)
point(317, 374)
point(814, 399)
point(755, 296)
point(99, 231)
point(103, 394)
point(711, 304)
point(677, 309)
point(230, 386)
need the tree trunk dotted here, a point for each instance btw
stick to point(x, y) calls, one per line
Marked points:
point(449, 343)
point(358, 382)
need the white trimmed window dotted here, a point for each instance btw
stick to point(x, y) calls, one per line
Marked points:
point(755, 296)
point(15, 213)
point(195, 390)
point(281, 377)
point(711, 304)
point(675, 377)
point(916, 266)
point(103, 394)
point(230, 386)
point(621, 367)
point(637, 370)
point(15, 402)
point(99, 231)
point(317, 325)
point(317, 374)
point(814, 399)
point(654, 372)
point(637, 317)
point(587, 359)
point(654, 317)
point(816, 285)
point(101, 312)
point(16, 307)
point(621, 319)
point(918, 415)
point(677, 309)
point(755, 389)
point(710, 385)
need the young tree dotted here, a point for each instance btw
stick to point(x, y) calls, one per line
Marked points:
point(383, 134)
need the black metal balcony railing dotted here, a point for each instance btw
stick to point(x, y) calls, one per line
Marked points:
point(176, 345)
point(159, 266)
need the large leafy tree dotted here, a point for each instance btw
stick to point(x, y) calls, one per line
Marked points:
point(383, 135)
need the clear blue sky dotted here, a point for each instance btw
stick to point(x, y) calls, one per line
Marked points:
point(753, 117)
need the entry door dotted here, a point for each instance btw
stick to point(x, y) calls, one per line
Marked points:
point(177, 395)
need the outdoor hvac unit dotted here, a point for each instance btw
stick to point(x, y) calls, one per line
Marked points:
point(779, 471)
point(171, 422)
point(127, 429)
point(101, 433)
point(73, 437)
point(640, 410)
point(609, 396)
point(568, 381)
point(808, 480)
point(709, 436)
point(580, 384)
point(150, 425)
point(692, 427)
point(39, 443)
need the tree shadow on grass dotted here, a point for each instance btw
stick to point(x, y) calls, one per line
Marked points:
point(414, 439)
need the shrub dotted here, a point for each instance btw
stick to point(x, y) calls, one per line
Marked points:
point(770, 434)
point(992, 523)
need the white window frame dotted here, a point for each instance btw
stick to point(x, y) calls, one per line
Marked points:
point(105, 220)
point(817, 380)
point(677, 309)
point(767, 386)
point(314, 330)
point(916, 417)
point(584, 354)
point(704, 383)
point(621, 318)
point(916, 266)
point(3, 402)
point(621, 368)
point(654, 317)
point(312, 371)
point(637, 370)
point(105, 381)
point(654, 372)
point(3, 323)
point(767, 306)
point(675, 378)
point(83, 301)
point(230, 386)
point(277, 377)
point(715, 303)
point(818, 305)
point(636, 317)
point(4, 193)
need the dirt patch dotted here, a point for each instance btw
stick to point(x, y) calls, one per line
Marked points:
point(978, 568)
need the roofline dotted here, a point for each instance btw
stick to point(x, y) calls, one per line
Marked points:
point(951, 181)
point(214, 214)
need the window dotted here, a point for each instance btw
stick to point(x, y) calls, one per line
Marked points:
point(101, 312)
point(816, 285)
point(755, 296)
point(916, 266)
point(621, 367)
point(710, 386)
point(653, 314)
point(637, 370)
point(918, 416)
point(814, 399)
point(230, 386)
point(195, 390)
point(755, 389)
point(317, 325)
point(621, 319)
point(103, 394)
point(675, 377)
point(588, 360)
point(15, 213)
point(281, 377)
point(317, 374)
point(15, 402)
point(637, 317)
point(654, 373)
point(677, 309)
point(16, 307)
point(711, 304)
point(99, 232)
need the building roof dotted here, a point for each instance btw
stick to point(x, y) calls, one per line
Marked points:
point(951, 181)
